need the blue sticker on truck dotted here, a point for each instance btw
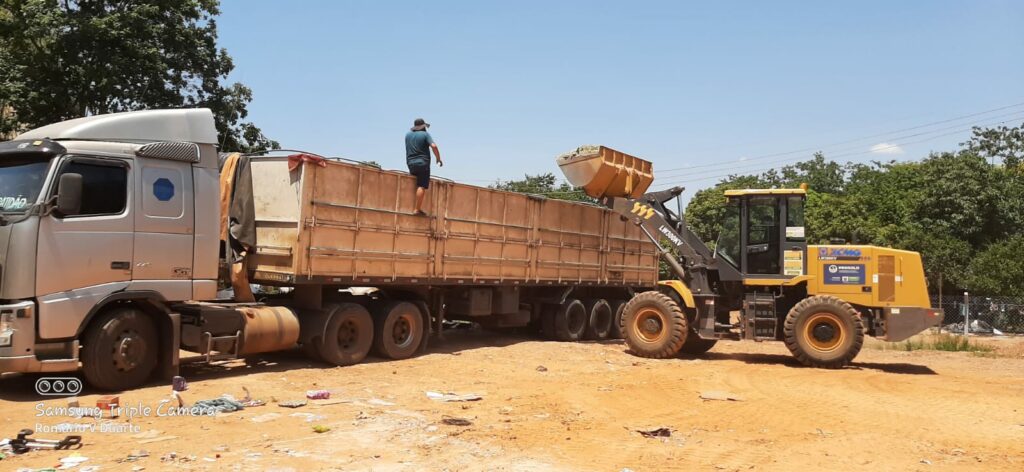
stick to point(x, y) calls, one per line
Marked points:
point(163, 189)
point(844, 274)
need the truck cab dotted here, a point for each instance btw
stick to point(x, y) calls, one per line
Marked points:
point(99, 213)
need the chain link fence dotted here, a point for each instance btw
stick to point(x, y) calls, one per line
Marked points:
point(983, 315)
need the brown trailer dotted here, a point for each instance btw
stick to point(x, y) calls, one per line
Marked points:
point(500, 258)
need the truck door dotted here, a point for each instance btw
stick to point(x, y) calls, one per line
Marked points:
point(164, 226)
point(763, 246)
point(83, 258)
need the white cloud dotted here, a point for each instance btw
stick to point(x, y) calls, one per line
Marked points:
point(886, 148)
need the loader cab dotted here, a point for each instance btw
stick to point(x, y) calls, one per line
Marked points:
point(763, 233)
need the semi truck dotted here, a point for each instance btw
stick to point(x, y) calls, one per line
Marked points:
point(118, 230)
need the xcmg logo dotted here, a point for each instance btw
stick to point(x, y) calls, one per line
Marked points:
point(839, 253)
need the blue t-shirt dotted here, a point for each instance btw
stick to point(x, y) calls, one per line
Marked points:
point(417, 147)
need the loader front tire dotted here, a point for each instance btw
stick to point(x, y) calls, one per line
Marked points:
point(655, 326)
point(824, 331)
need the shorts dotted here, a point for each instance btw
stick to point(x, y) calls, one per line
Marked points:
point(422, 173)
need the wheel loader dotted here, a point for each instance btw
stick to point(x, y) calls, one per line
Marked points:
point(761, 281)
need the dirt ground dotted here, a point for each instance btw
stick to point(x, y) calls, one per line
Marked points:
point(562, 406)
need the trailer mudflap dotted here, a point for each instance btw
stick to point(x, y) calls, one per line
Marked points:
point(903, 322)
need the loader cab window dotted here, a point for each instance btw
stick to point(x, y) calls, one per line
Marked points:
point(795, 219)
point(728, 247)
point(763, 245)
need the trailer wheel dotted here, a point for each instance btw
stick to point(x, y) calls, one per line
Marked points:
point(398, 330)
point(618, 323)
point(824, 331)
point(120, 349)
point(655, 325)
point(600, 319)
point(347, 336)
point(570, 321)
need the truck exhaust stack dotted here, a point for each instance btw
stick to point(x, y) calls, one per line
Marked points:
point(605, 172)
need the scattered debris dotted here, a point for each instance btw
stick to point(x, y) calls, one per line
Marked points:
point(926, 462)
point(91, 468)
point(73, 402)
point(318, 394)
point(265, 418)
point(178, 384)
point(505, 410)
point(159, 439)
point(454, 421)
point(308, 416)
point(293, 404)
point(219, 405)
point(74, 460)
point(823, 433)
point(379, 402)
point(541, 368)
point(958, 452)
point(150, 434)
point(319, 429)
point(135, 456)
point(661, 432)
point(721, 396)
point(23, 443)
point(453, 397)
point(333, 401)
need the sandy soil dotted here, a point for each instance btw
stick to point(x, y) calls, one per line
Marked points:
point(892, 411)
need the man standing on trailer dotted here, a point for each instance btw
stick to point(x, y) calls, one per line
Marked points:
point(418, 145)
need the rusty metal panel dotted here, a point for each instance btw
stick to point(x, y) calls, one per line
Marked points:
point(886, 278)
point(353, 223)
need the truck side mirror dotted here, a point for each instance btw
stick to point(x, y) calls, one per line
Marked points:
point(69, 194)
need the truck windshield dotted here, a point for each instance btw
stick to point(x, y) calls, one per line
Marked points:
point(21, 179)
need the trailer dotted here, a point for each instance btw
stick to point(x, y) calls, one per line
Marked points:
point(118, 230)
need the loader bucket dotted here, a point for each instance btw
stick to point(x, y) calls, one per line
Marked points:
point(605, 172)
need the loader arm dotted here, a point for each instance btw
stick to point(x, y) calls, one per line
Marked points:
point(692, 260)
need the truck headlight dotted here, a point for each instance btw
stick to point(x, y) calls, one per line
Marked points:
point(6, 328)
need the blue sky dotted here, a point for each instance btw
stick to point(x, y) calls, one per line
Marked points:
point(727, 86)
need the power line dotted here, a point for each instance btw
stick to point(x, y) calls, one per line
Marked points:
point(764, 169)
point(817, 148)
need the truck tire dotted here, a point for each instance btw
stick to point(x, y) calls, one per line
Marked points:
point(655, 325)
point(618, 326)
point(120, 350)
point(398, 330)
point(348, 335)
point(599, 324)
point(824, 331)
point(570, 321)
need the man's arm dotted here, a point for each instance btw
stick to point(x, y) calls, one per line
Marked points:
point(437, 154)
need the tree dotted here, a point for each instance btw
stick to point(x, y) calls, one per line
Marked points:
point(65, 59)
point(544, 184)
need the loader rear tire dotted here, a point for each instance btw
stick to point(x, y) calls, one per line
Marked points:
point(655, 325)
point(599, 324)
point(571, 320)
point(347, 336)
point(824, 331)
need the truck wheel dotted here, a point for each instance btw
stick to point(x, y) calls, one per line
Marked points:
point(399, 330)
point(618, 326)
point(120, 349)
point(695, 345)
point(571, 320)
point(824, 331)
point(655, 326)
point(600, 319)
point(347, 336)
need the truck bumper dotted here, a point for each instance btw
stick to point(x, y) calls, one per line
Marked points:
point(17, 342)
point(900, 323)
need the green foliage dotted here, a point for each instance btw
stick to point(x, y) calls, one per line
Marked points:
point(963, 211)
point(546, 185)
point(67, 59)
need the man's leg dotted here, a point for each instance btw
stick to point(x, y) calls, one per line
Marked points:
point(420, 194)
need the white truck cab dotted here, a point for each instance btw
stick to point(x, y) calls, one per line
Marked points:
point(96, 212)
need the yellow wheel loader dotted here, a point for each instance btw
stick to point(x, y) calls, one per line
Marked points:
point(762, 281)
